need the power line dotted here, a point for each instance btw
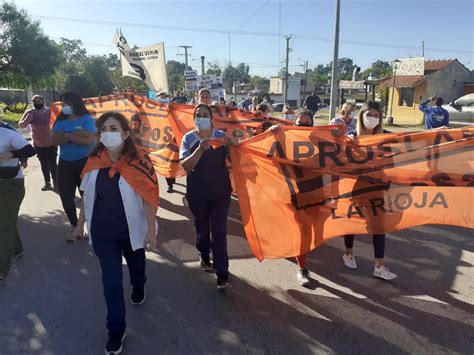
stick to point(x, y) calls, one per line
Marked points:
point(240, 27)
point(247, 33)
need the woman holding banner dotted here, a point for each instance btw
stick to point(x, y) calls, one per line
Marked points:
point(369, 122)
point(120, 202)
point(74, 132)
point(203, 156)
point(347, 119)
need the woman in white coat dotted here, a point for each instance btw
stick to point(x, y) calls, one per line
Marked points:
point(120, 202)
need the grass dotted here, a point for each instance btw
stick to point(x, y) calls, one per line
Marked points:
point(12, 118)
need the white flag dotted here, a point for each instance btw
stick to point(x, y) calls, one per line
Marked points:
point(122, 45)
point(147, 63)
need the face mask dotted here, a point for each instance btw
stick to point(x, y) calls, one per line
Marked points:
point(67, 110)
point(38, 106)
point(289, 117)
point(111, 140)
point(371, 122)
point(203, 123)
point(353, 115)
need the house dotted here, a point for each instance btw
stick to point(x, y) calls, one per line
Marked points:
point(416, 79)
point(295, 88)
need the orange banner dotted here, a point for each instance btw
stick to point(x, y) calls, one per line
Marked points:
point(318, 187)
point(236, 123)
point(152, 130)
point(157, 124)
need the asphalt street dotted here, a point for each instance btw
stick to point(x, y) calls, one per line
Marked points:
point(52, 302)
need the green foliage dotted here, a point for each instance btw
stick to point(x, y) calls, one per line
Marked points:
point(262, 84)
point(232, 74)
point(378, 69)
point(175, 71)
point(27, 56)
point(214, 69)
point(18, 107)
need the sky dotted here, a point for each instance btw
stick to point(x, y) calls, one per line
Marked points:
point(369, 29)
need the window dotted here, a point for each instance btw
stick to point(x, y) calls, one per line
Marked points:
point(407, 96)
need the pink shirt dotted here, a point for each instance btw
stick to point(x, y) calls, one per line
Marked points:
point(40, 128)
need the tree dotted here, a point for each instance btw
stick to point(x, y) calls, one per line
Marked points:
point(232, 74)
point(345, 68)
point(378, 69)
point(92, 77)
point(27, 56)
point(320, 74)
point(214, 68)
point(175, 71)
point(262, 84)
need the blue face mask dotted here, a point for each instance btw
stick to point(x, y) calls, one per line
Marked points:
point(67, 110)
point(203, 123)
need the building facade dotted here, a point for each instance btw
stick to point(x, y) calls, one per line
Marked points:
point(417, 79)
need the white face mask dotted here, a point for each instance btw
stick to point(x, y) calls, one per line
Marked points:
point(289, 116)
point(353, 114)
point(371, 122)
point(111, 140)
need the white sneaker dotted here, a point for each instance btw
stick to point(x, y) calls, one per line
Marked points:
point(349, 261)
point(384, 273)
point(302, 276)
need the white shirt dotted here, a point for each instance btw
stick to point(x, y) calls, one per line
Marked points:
point(132, 203)
point(11, 140)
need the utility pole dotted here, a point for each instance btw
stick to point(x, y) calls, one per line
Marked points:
point(305, 68)
point(229, 49)
point(202, 64)
point(334, 78)
point(185, 54)
point(285, 82)
point(423, 49)
point(305, 81)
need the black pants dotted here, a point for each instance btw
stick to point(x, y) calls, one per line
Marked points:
point(110, 253)
point(47, 158)
point(69, 179)
point(378, 240)
point(170, 182)
point(210, 218)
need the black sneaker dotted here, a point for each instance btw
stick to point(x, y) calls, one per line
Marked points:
point(115, 343)
point(222, 283)
point(55, 186)
point(47, 186)
point(17, 256)
point(206, 264)
point(138, 296)
point(170, 189)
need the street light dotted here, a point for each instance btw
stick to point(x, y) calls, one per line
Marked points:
point(395, 67)
point(305, 66)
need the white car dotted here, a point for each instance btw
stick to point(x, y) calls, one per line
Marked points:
point(461, 111)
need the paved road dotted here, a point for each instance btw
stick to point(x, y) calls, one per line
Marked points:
point(52, 301)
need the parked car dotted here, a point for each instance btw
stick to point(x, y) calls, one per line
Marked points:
point(278, 107)
point(461, 111)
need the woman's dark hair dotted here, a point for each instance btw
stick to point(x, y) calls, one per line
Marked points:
point(128, 148)
point(308, 113)
point(203, 105)
point(374, 105)
point(76, 103)
point(262, 108)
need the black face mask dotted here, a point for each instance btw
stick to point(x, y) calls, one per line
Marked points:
point(38, 106)
point(304, 125)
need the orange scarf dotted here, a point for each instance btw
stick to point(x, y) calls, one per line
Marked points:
point(139, 173)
